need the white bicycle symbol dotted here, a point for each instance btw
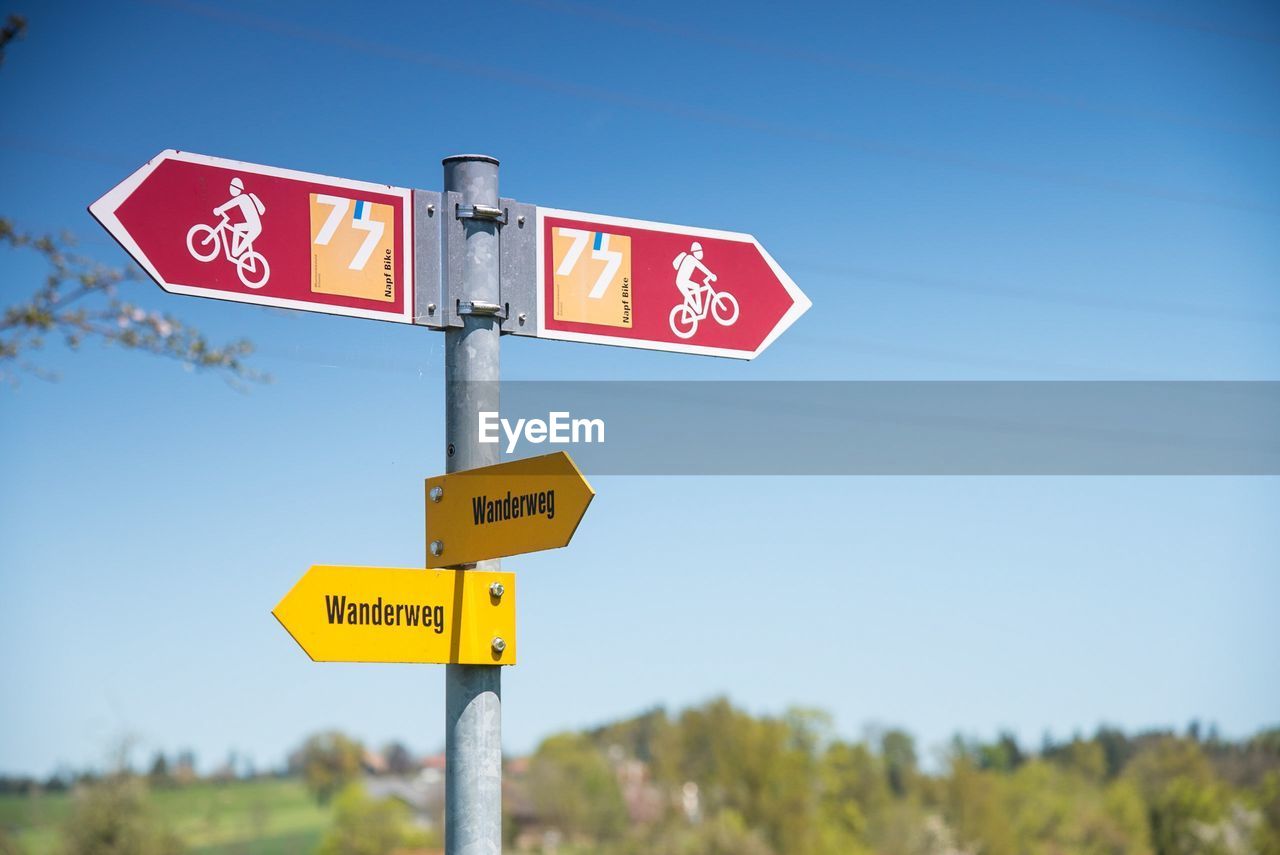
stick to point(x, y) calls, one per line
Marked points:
point(721, 305)
point(699, 297)
point(204, 243)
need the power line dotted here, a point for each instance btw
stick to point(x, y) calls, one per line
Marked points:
point(1152, 16)
point(1038, 295)
point(954, 83)
point(946, 356)
point(866, 145)
point(866, 274)
point(69, 152)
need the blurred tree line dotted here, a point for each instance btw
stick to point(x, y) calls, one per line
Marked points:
point(715, 780)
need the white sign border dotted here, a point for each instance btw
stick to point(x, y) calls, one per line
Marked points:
point(800, 303)
point(104, 211)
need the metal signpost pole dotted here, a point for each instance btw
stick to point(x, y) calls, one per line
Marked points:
point(473, 693)
point(319, 261)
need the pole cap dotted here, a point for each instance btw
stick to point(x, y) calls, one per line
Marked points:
point(461, 158)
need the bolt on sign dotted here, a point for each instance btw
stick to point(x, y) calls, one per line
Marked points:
point(509, 509)
point(382, 614)
point(219, 228)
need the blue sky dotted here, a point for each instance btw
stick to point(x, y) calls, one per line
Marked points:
point(1046, 190)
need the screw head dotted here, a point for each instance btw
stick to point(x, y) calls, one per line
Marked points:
point(431, 210)
point(437, 547)
point(437, 493)
point(496, 590)
point(522, 317)
point(431, 308)
point(520, 221)
point(498, 644)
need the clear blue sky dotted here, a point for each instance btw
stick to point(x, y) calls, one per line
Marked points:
point(1041, 190)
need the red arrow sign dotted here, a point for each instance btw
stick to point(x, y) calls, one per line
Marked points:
point(257, 234)
point(609, 280)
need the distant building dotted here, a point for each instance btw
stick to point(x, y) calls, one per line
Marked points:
point(373, 762)
point(423, 794)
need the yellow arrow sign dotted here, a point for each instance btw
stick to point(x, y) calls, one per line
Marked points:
point(381, 614)
point(509, 509)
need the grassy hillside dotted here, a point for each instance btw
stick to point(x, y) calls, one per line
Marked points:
point(264, 817)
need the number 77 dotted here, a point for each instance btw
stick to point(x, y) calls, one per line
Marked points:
point(579, 242)
point(340, 206)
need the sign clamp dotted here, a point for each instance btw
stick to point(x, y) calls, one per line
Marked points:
point(439, 309)
point(428, 289)
point(453, 239)
point(482, 212)
point(482, 307)
point(517, 263)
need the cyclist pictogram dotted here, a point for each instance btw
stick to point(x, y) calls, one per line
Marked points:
point(699, 298)
point(235, 239)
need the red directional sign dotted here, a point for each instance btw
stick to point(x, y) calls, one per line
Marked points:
point(257, 234)
point(609, 280)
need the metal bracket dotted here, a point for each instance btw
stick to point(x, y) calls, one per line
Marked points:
point(453, 249)
point(518, 261)
point(482, 212)
point(439, 247)
point(428, 298)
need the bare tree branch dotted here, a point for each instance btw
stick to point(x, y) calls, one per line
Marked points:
point(14, 28)
point(78, 300)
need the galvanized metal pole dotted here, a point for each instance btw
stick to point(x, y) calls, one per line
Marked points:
point(473, 693)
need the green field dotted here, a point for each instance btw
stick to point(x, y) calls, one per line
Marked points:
point(264, 817)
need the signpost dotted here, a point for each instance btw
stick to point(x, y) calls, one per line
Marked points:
point(509, 509)
point(478, 266)
point(219, 228)
point(381, 614)
point(472, 693)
